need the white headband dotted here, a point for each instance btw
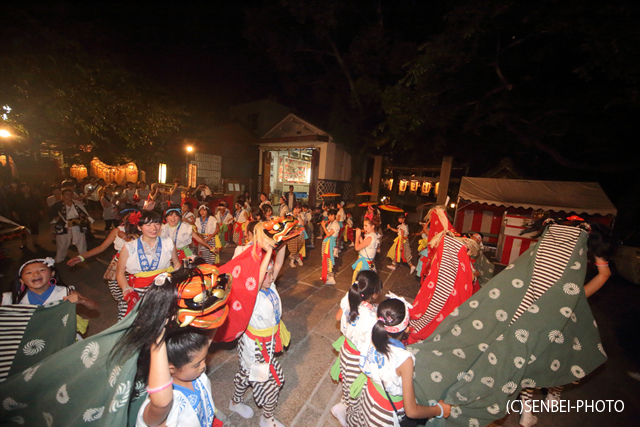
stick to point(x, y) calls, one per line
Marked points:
point(48, 261)
point(405, 322)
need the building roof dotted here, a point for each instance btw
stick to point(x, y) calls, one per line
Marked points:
point(558, 196)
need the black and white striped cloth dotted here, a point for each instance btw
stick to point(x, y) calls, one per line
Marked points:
point(265, 393)
point(447, 273)
point(13, 322)
point(552, 258)
point(116, 294)
point(349, 370)
point(366, 412)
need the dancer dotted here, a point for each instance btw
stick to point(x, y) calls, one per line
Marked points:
point(348, 230)
point(70, 223)
point(240, 226)
point(308, 225)
point(357, 315)
point(400, 251)
point(265, 336)
point(297, 249)
point(250, 240)
point(529, 326)
point(207, 226)
point(109, 209)
point(224, 219)
point(389, 395)
point(341, 217)
point(329, 249)
point(36, 284)
point(367, 247)
point(187, 213)
point(181, 233)
point(268, 212)
point(144, 258)
point(118, 236)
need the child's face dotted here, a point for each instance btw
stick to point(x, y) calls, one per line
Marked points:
point(172, 219)
point(332, 217)
point(36, 277)
point(368, 227)
point(305, 210)
point(268, 279)
point(150, 229)
point(204, 212)
point(193, 369)
point(401, 220)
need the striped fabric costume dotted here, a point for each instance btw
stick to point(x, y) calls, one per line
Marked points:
point(529, 326)
point(366, 256)
point(400, 251)
point(355, 335)
point(373, 407)
point(448, 284)
point(265, 336)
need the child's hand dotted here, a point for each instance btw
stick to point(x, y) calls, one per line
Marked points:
point(446, 408)
point(388, 227)
point(73, 297)
point(73, 261)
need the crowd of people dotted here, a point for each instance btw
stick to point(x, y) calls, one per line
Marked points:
point(160, 241)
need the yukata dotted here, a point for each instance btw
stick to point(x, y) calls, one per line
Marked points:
point(340, 217)
point(110, 276)
point(400, 251)
point(224, 221)
point(240, 227)
point(423, 254)
point(328, 246)
point(190, 408)
point(206, 228)
point(181, 236)
point(356, 335)
point(296, 246)
point(308, 226)
point(529, 326)
point(372, 407)
point(349, 235)
point(366, 256)
point(145, 263)
point(265, 335)
point(69, 235)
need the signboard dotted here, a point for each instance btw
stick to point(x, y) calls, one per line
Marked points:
point(295, 171)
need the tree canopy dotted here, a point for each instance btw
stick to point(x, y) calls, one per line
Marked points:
point(65, 93)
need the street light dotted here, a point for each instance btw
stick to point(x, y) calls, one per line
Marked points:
point(5, 133)
point(189, 149)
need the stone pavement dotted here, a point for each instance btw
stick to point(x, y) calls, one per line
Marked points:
point(309, 309)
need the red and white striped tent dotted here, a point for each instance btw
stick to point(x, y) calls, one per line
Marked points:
point(498, 207)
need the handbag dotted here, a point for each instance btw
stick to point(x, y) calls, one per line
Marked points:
point(397, 421)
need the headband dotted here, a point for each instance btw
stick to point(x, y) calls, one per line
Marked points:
point(48, 261)
point(405, 322)
point(124, 211)
point(204, 206)
point(168, 211)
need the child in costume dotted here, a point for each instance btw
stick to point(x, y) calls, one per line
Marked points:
point(241, 221)
point(265, 336)
point(308, 225)
point(181, 233)
point(357, 315)
point(348, 230)
point(36, 284)
point(179, 391)
point(187, 213)
point(268, 212)
point(145, 258)
point(329, 249)
point(207, 227)
point(225, 219)
point(118, 236)
point(400, 251)
point(389, 395)
point(341, 217)
point(367, 247)
point(297, 250)
point(250, 240)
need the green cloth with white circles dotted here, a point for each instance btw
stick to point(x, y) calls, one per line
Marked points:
point(479, 362)
point(75, 386)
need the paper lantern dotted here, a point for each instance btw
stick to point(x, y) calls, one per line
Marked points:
point(426, 187)
point(403, 185)
point(437, 187)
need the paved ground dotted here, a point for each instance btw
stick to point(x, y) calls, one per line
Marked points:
point(309, 312)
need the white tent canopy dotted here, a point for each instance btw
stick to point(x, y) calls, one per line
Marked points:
point(558, 196)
